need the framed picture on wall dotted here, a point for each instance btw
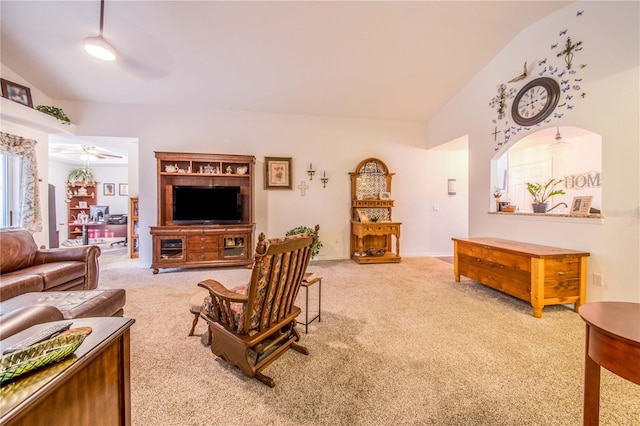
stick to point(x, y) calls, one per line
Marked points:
point(277, 173)
point(16, 92)
point(109, 189)
point(123, 189)
point(580, 205)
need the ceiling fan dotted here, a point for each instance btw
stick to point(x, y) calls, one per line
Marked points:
point(99, 47)
point(134, 64)
point(84, 152)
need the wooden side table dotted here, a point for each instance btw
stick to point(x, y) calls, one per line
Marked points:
point(309, 280)
point(613, 342)
point(92, 386)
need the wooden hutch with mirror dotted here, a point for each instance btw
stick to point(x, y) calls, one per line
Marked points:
point(205, 211)
point(372, 229)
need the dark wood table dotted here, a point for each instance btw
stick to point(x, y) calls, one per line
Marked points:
point(90, 387)
point(613, 342)
point(119, 229)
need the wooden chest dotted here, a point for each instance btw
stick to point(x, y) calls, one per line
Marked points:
point(540, 275)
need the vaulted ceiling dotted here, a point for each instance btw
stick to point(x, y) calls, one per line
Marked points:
point(380, 60)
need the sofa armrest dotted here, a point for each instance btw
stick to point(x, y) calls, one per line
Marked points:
point(25, 317)
point(86, 254)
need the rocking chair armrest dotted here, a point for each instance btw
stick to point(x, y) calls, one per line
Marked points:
point(214, 287)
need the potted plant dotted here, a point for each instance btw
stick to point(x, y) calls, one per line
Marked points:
point(54, 112)
point(306, 230)
point(541, 192)
point(81, 175)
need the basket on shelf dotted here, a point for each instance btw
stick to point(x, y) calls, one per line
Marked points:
point(376, 252)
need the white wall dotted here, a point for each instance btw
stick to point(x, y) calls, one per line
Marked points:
point(610, 35)
point(447, 215)
point(333, 144)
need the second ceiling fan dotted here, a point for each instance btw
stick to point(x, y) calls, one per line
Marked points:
point(84, 152)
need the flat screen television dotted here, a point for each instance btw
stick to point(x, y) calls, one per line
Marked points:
point(207, 204)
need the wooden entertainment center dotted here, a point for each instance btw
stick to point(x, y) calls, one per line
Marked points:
point(194, 245)
point(541, 275)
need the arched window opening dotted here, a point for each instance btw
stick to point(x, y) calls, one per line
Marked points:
point(571, 154)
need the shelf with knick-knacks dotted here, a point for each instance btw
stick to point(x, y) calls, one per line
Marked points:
point(213, 168)
point(80, 197)
point(372, 227)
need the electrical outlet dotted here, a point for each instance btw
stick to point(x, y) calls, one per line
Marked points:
point(598, 280)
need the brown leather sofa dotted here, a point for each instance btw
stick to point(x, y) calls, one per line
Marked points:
point(25, 268)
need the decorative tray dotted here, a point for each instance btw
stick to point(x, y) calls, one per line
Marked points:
point(23, 361)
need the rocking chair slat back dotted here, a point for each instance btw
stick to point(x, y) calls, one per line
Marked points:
point(277, 275)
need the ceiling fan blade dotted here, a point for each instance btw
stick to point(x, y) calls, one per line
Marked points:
point(65, 151)
point(105, 155)
point(139, 70)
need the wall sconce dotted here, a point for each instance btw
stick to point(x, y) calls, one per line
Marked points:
point(311, 172)
point(452, 186)
point(324, 179)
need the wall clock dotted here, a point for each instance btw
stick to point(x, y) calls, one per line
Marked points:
point(535, 101)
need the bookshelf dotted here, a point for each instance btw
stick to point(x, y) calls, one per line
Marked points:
point(134, 246)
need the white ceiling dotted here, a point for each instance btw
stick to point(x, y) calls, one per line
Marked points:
point(381, 60)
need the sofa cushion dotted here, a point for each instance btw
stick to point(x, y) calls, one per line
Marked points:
point(17, 250)
point(55, 274)
point(17, 283)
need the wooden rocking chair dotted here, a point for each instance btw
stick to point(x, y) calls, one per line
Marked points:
point(252, 326)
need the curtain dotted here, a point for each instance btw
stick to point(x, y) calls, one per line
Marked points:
point(29, 216)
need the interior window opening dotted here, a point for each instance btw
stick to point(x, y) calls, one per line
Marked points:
point(570, 154)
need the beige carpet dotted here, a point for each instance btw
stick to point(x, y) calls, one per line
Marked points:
point(398, 344)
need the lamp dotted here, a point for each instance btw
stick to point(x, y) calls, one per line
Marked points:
point(98, 46)
point(558, 142)
point(324, 179)
point(311, 172)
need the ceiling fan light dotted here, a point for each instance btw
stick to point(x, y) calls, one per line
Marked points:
point(100, 48)
point(88, 157)
point(559, 143)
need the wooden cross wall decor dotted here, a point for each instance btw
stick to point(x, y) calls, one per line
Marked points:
point(303, 187)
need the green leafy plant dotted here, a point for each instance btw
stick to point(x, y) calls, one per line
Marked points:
point(306, 230)
point(541, 192)
point(54, 112)
point(81, 175)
